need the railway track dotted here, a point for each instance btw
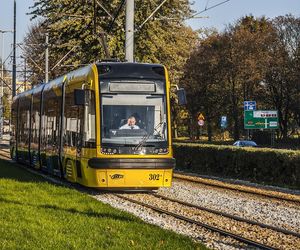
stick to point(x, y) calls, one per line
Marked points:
point(5, 153)
point(180, 213)
point(217, 212)
point(240, 188)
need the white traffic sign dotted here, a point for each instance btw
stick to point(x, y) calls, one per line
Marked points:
point(265, 113)
point(201, 123)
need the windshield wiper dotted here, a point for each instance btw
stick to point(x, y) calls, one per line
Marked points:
point(146, 137)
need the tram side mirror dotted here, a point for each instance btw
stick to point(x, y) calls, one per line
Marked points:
point(181, 96)
point(81, 97)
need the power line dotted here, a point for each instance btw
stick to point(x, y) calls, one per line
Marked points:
point(104, 8)
point(116, 16)
point(206, 9)
point(157, 8)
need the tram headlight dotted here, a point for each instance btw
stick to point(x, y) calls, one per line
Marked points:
point(109, 151)
point(161, 151)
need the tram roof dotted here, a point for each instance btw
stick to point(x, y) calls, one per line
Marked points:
point(106, 70)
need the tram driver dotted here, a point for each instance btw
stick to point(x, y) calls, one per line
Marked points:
point(131, 123)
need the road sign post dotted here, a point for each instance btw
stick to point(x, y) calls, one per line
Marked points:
point(201, 117)
point(223, 122)
point(261, 119)
point(200, 123)
point(223, 125)
point(249, 105)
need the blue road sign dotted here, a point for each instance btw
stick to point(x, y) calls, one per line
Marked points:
point(249, 105)
point(223, 121)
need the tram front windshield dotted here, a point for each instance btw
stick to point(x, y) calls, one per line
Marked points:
point(149, 125)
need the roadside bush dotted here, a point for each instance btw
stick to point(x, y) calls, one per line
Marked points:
point(269, 166)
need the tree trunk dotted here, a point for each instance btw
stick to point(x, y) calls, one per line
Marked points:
point(209, 130)
point(175, 135)
point(235, 114)
point(236, 128)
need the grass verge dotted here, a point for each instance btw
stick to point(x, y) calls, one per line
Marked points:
point(35, 214)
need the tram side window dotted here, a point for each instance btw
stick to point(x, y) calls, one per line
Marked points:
point(52, 121)
point(72, 120)
point(35, 122)
point(24, 121)
point(35, 126)
point(14, 118)
point(89, 135)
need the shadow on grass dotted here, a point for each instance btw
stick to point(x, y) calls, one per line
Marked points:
point(88, 213)
point(14, 171)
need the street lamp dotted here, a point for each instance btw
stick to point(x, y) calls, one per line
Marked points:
point(2, 74)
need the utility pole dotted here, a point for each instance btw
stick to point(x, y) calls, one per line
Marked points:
point(129, 42)
point(25, 76)
point(47, 59)
point(14, 76)
point(2, 81)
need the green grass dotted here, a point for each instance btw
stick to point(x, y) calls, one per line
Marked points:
point(35, 214)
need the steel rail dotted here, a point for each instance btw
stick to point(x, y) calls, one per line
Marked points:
point(5, 153)
point(5, 156)
point(278, 197)
point(277, 229)
point(201, 224)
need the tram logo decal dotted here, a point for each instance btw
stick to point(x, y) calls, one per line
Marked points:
point(117, 176)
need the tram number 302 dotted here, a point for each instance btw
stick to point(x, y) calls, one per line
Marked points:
point(154, 177)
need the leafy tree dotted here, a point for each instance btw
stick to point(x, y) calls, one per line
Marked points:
point(6, 99)
point(203, 83)
point(282, 77)
point(226, 69)
point(34, 52)
point(247, 56)
point(81, 26)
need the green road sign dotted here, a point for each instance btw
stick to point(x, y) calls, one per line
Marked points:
point(261, 119)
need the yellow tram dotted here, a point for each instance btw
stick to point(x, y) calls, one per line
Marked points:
point(106, 125)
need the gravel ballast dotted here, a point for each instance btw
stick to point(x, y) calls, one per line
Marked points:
point(277, 213)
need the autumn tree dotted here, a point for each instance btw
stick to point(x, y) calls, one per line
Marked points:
point(203, 83)
point(83, 26)
point(247, 57)
point(226, 70)
point(5, 99)
point(282, 77)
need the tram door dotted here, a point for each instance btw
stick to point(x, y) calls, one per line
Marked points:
point(35, 131)
point(24, 129)
point(72, 137)
point(51, 131)
point(14, 129)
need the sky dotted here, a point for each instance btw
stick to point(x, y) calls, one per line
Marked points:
point(217, 17)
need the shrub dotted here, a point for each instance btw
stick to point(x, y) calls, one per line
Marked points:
point(262, 165)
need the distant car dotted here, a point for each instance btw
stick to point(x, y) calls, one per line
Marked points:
point(244, 143)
